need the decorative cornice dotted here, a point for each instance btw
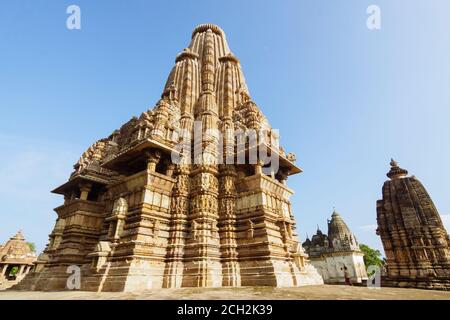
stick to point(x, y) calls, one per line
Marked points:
point(208, 26)
point(186, 54)
point(396, 171)
point(229, 57)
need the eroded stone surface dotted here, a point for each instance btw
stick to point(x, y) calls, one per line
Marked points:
point(415, 241)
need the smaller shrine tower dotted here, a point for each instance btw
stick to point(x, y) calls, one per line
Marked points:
point(336, 256)
point(16, 260)
point(413, 236)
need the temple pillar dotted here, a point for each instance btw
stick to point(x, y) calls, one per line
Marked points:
point(170, 169)
point(5, 267)
point(283, 174)
point(173, 275)
point(227, 227)
point(22, 267)
point(258, 167)
point(84, 191)
point(153, 158)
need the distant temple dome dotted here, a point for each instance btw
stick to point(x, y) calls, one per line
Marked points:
point(16, 260)
point(338, 230)
point(319, 239)
point(337, 253)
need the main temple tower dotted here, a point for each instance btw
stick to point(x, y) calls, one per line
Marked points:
point(170, 200)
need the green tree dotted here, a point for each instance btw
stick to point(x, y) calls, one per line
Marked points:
point(372, 257)
point(14, 271)
point(32, 246)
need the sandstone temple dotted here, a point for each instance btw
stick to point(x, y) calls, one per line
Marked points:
point(336, 255)
point(415, 241)
point(155, 206)
point(16, 260)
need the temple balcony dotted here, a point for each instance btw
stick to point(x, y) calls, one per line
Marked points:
point(80, 212)
point(260, 191)
point(149, 189)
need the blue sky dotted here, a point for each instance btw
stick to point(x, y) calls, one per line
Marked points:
point(346, 99)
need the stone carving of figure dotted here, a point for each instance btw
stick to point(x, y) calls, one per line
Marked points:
point(250, 230)
point(194, 227)
point(291, 157)
point(120, 209)
point(229, 207)
point(156, 228)
point(182, 185)
point(228, 186)
point(92, 154)
point(205, 182)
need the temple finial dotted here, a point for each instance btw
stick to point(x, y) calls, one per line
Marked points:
point(19, 235)
point(335, 213)
point(393, 163)
point(396, 171)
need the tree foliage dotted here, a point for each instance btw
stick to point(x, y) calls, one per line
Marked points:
point(32, 246)
point(14, 271)
point(372, 257)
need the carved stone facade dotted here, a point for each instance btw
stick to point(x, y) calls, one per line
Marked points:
point(133, 218)
point(16, 260)
point(336, 255)
point(415, 241)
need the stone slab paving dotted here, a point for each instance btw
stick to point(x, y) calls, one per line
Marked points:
point(327, 292)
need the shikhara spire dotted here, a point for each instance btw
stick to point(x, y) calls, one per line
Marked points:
point(414, 238)
point(207, 66)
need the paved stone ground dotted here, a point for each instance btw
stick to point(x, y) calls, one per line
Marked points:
point(326, 292)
